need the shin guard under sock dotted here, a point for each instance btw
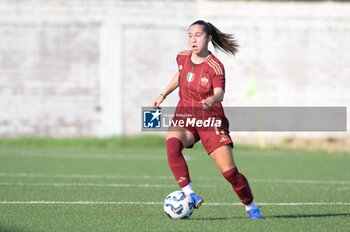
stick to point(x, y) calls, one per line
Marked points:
point(240, 185)
point(177, 161)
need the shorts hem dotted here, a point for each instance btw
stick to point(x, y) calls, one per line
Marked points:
point(219, 145)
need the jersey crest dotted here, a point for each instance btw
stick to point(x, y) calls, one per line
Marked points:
point(204, 81)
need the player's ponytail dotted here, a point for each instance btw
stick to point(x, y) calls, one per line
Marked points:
point(222, 41)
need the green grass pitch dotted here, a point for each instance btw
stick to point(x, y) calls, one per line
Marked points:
point(119, 184)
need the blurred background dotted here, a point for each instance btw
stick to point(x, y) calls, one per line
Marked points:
point(84, 68)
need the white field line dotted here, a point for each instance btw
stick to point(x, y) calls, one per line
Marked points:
point(301, 181)
point(82, 176)
point(160, 203)
point(284, 204)
point(93, 176)
point(99, 185)
point(98, 156)
point(333, 189)
point(126, 185)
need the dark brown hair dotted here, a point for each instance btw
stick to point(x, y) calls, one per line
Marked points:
point(222, 41)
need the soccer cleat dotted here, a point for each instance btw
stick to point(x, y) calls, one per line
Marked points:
point(197, 200)
point(255, 213)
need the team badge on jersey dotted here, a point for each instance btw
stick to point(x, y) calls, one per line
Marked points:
point(180, 67)
point(190, 77)
point(204, 81)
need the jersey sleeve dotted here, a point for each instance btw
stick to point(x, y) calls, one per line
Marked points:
point(179, 61)
point(181, 58)
point(219, 78)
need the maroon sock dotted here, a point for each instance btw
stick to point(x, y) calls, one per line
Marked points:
point(177, 162)
point(240, 185)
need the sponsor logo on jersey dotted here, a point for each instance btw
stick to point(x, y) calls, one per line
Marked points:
point(190, 77)
point(223, 138)
point(204, 81)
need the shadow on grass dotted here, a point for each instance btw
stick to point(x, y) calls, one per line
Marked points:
point(279, 216)
point(215, 219)
point(6, 229)
point(310, 215)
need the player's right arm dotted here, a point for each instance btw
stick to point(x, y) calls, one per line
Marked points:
point(174, 83)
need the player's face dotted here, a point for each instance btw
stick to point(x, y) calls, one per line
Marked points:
point(198, 39)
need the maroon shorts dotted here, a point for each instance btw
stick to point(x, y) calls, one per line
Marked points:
point(211, 137)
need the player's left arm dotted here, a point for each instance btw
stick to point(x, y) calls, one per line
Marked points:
point(218, 83)
point(217, 97)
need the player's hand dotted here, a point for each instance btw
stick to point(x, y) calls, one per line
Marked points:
point(156, 102)
point(207, 103)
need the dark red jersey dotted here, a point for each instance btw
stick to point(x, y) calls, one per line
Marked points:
point(197, 82)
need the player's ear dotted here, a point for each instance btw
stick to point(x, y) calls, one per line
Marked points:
point(209, 38)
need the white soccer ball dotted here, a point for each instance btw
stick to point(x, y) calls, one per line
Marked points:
point(178, 205)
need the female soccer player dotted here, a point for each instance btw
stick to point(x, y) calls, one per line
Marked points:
point(201, 82)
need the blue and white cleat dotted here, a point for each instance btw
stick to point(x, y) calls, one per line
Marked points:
point(197, 200)
point(255, 213)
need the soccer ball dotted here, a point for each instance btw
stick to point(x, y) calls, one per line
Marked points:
point(178, 205)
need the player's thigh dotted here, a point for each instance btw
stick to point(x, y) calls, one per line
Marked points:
point(223, 158)
point(184, 135)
